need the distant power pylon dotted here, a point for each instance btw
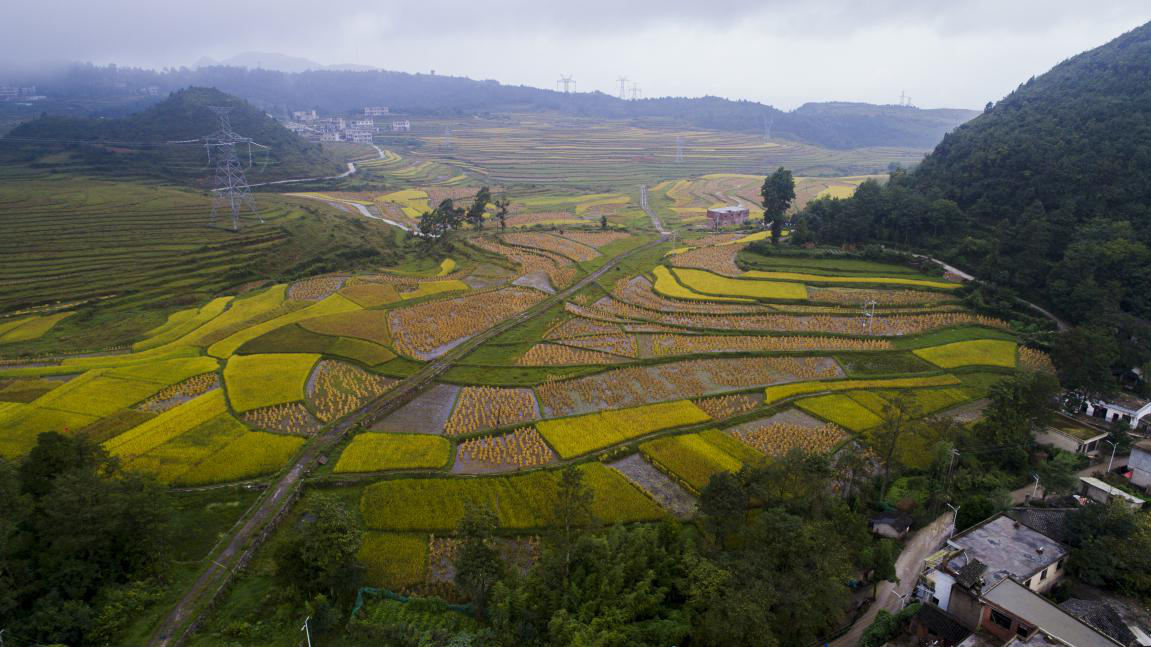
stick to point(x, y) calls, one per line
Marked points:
point(567, 81)
point(623, 86)
point(636, 92)
point(904, 100)
point(231, 189)
point(679, 149)
point(767, 124)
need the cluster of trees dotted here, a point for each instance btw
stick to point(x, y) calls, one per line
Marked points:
point(82, 544)
point(834, 125)
point(1048, 194)
point(447, 217)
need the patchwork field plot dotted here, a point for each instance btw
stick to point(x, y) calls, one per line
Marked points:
point(705, 282)
point(338, 388)
point(255, 381)
point(879, 280)
point(29, 328)
point(841, 410)
point(693, 459)
point(784, 391)
point(590, 432)
point(430, 329)
point(659, 486)
point(982, 352)
point(520, 502)
point(375, 452)
point(481, 407)
point(521, 448)
point(427, 414)
point(775, 437)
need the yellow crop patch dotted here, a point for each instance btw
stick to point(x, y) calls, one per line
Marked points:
point(393, 560)
point(580, 435)
point(29, 328)
point(819, 278)
point(371, 295)
point(186, 325)
point(783, 391)
point(253, 454)
point(979, 352)
point(256, 381)
point(166, 426)
point(841, 410)
point(429, 288)
point(711, 283)
point(667, 285)
point(333, 304)
point(376, 452)
point(690, 459)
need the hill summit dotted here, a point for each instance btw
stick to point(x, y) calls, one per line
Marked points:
point(139, 144)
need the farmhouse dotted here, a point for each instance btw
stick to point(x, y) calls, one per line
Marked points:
point(304, 115)
point(375, 111)
point(358, 136)
point(1070, 435)
point(1129, 409)
point(1140, 464)
point(979, 558)
point(1014, 612)
point(401, 126)
point(724, 216)
point(330, 137)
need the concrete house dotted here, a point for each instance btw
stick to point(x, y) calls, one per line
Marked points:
point(1019, 616)
point(724, 216)
point(1140, 464)
point(977, 559)
point(1127, 408)
point(1101, 492)
point(1070, 435)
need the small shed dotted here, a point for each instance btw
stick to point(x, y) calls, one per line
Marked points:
point(1101, 492)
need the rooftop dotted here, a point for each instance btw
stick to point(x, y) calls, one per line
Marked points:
point(942, 623)
point(1082, 432)
point(1034, 609)
point(1144, 445)
point(1102, 616)
point(1006, 547)
point(1048, 521)
point(734, 209)
point(1111, 490)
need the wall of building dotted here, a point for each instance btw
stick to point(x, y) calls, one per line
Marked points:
point(942, 592)
point(965, 606)
point(1140, 464)
point(1062, 441)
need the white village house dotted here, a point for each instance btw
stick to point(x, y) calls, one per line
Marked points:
point(1134, 411)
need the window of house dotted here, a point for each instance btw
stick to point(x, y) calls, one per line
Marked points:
point(935, 600)
point(1022, 630)
point(1043, 575)
point(1001, 619)
point(1027, 583)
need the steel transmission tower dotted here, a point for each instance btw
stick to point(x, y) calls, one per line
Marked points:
point(567, 81)
point(679, 149)
point(623, 86)
point(231, 189)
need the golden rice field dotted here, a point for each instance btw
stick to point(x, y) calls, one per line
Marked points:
point(554, 244)
point(580, 327)
point(1035, 360)
point(377, 452)
point(784, 391)
point(483, 407)
point(255, 381)
point(667, 285)
point(422, 330)
point(883, 280)
point(316, 288)
point(596, 239)
point(520, 502)
point(726, 406)
point(705, 282)
point(393, 560)
point(639, 293)
point(370, 295)
point(979, 352)
point(777, 439)
point(587, 433)
point(689, 459)
point(288, 418)
point(30, 327)
point(841, 410)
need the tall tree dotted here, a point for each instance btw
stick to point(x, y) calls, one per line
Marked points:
point(897, 421)
point(319, 558)
point(778, 191)
point(502, 212)
point(475, 213)
point(478, 563)
point(572, 510)
point(723, 502)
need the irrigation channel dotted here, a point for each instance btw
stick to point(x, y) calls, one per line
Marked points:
point(184, 618)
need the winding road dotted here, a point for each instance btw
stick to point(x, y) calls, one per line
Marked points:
point(181, 620)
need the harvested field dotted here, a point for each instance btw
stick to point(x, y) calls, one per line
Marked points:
point(559, 269)
point(596, 239)
point(554, 354)
point(316, 288)
point(879, 280)
point(508, 452)
point(860, 296)
point(665, 345)
point(429, 329)
point(726, 406)
point(659, 486)
point(427, 414)
point(554, 244)
point(337, 388)
point(623, 345)
point(484, 407)
point(716, 258)
point(634, 386)
point(1035, 360)
point(289, 418)
point(778, 438)
point(580, 327)
point(172, 396)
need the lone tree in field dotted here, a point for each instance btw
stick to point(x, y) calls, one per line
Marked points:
point(478, 563)
point(502, 212)
point(475, 214)
point(778, 191)
point(573, 509)
point(603, 222)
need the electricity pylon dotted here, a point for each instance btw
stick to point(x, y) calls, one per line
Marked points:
point(231, 188)
point(567, 81)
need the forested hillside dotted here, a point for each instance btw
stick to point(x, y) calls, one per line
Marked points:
point(1048, 192)
point(137, 144)
point(832, 125)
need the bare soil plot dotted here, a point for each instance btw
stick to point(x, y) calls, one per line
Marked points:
point(666, 492)
point(426, 414)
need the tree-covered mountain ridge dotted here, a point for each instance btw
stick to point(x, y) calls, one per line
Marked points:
point(138, 143)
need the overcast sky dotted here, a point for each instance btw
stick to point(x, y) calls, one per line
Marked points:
point(943, 53)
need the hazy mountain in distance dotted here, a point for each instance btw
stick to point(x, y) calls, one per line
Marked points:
point(278, 62)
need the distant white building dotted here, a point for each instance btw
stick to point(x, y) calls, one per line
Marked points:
point(375, 111)
point(401, 126)
point(1126, 408)
point(333, 136)
point(359, 136)
point(363, 123)
point(304, 115)
point(12, 93)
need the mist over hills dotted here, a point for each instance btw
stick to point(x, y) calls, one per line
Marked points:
point(832, 125)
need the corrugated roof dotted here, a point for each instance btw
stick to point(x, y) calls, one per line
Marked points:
point(1110, 489)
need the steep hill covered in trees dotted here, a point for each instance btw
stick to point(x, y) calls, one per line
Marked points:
point(1048, 192)
point(135, 145)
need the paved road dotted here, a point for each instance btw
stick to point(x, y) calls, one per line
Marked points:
point(1021, 495)
point(351, 169)
point(174, 629)
point(1060, 325)
point(655, 221)
point(924, 542)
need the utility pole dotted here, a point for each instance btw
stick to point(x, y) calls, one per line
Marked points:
point(1114, 447)
point(623, 86)
point(679, 148)
point(954, 519)
point(869, 314)
point(307, 632)
point(1035, 490)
